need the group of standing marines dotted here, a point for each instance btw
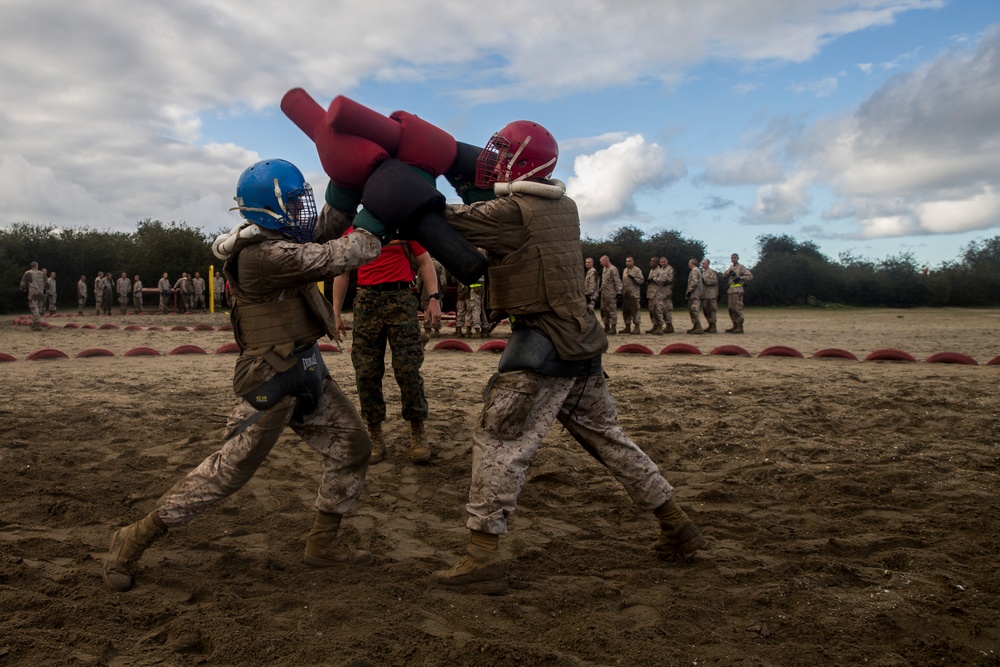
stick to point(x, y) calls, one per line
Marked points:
point(702, 294)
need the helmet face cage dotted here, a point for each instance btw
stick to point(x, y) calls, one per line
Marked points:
point(274, 195)
point(300, 215)
point(488, 165)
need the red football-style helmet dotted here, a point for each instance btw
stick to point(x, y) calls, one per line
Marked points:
point(519, 151)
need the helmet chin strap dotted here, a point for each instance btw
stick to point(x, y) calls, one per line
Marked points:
point(281, 201)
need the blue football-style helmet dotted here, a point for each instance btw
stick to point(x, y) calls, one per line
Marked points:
point(273, 194)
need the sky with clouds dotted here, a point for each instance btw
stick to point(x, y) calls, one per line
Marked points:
point(865, 126)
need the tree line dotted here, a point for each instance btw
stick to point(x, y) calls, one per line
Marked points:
point(788, 272)
point(152, 249)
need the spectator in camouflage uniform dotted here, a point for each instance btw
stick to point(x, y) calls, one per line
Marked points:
point(33, 284)
point(611, 289)
point(659, 290)
point(551, 368)
point(164, 286)
point(462, 292)
point(50, 292)
point(183, 288)
point(220, 292)
point(137, 294)
point(198, 291)
point(385, 311)
point(81, 294)
point(693, 295)
point(709, 295)
point(124, 286)
point(590, 283)
point(469, 311)
point(737, 274)
point(280, 375)
point(99, 292)
point(631, 291)
point(108, 300)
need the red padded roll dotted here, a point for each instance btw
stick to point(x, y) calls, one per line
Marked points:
point(347, 116)
point(302, 110)
point(424, 145)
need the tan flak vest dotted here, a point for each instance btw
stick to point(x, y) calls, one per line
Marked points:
point(544, 273)
point(272, 330)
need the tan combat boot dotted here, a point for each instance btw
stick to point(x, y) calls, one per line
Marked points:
point(696, 329)
point(678, 535)
point(669, 329)
point(711, 328)
point(737, 329)
point(127, 547)
point(420, 451)
point(378, 442)
point(480, 571)
point(325, 549)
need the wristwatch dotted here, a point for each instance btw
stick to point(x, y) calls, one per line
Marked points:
point(436, 295)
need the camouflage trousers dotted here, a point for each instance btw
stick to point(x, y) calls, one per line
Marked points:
point(609, 311)
point(631, 313)
point(735, 300)
point(81, 303)
point(520, 408)
point(99, 303)
point(661, 310)
point(694, 309)
point(164, 301)
point(380, 318)
point(334, 430)
point(36, 306)
point(710, 309)
point(469, 311)
point(52, 304)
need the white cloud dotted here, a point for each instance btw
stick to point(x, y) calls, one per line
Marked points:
point(780, 203)
point(743, 168)
point(103, 104)
point(920, 156)
point(979, 211)
point(605, 183)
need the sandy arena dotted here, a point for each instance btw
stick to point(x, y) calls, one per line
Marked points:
point(851, 510)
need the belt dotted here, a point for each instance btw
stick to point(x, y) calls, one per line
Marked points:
point(387, 287)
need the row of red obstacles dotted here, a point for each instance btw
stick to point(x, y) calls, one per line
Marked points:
point(108, 326)
point(883, 354)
